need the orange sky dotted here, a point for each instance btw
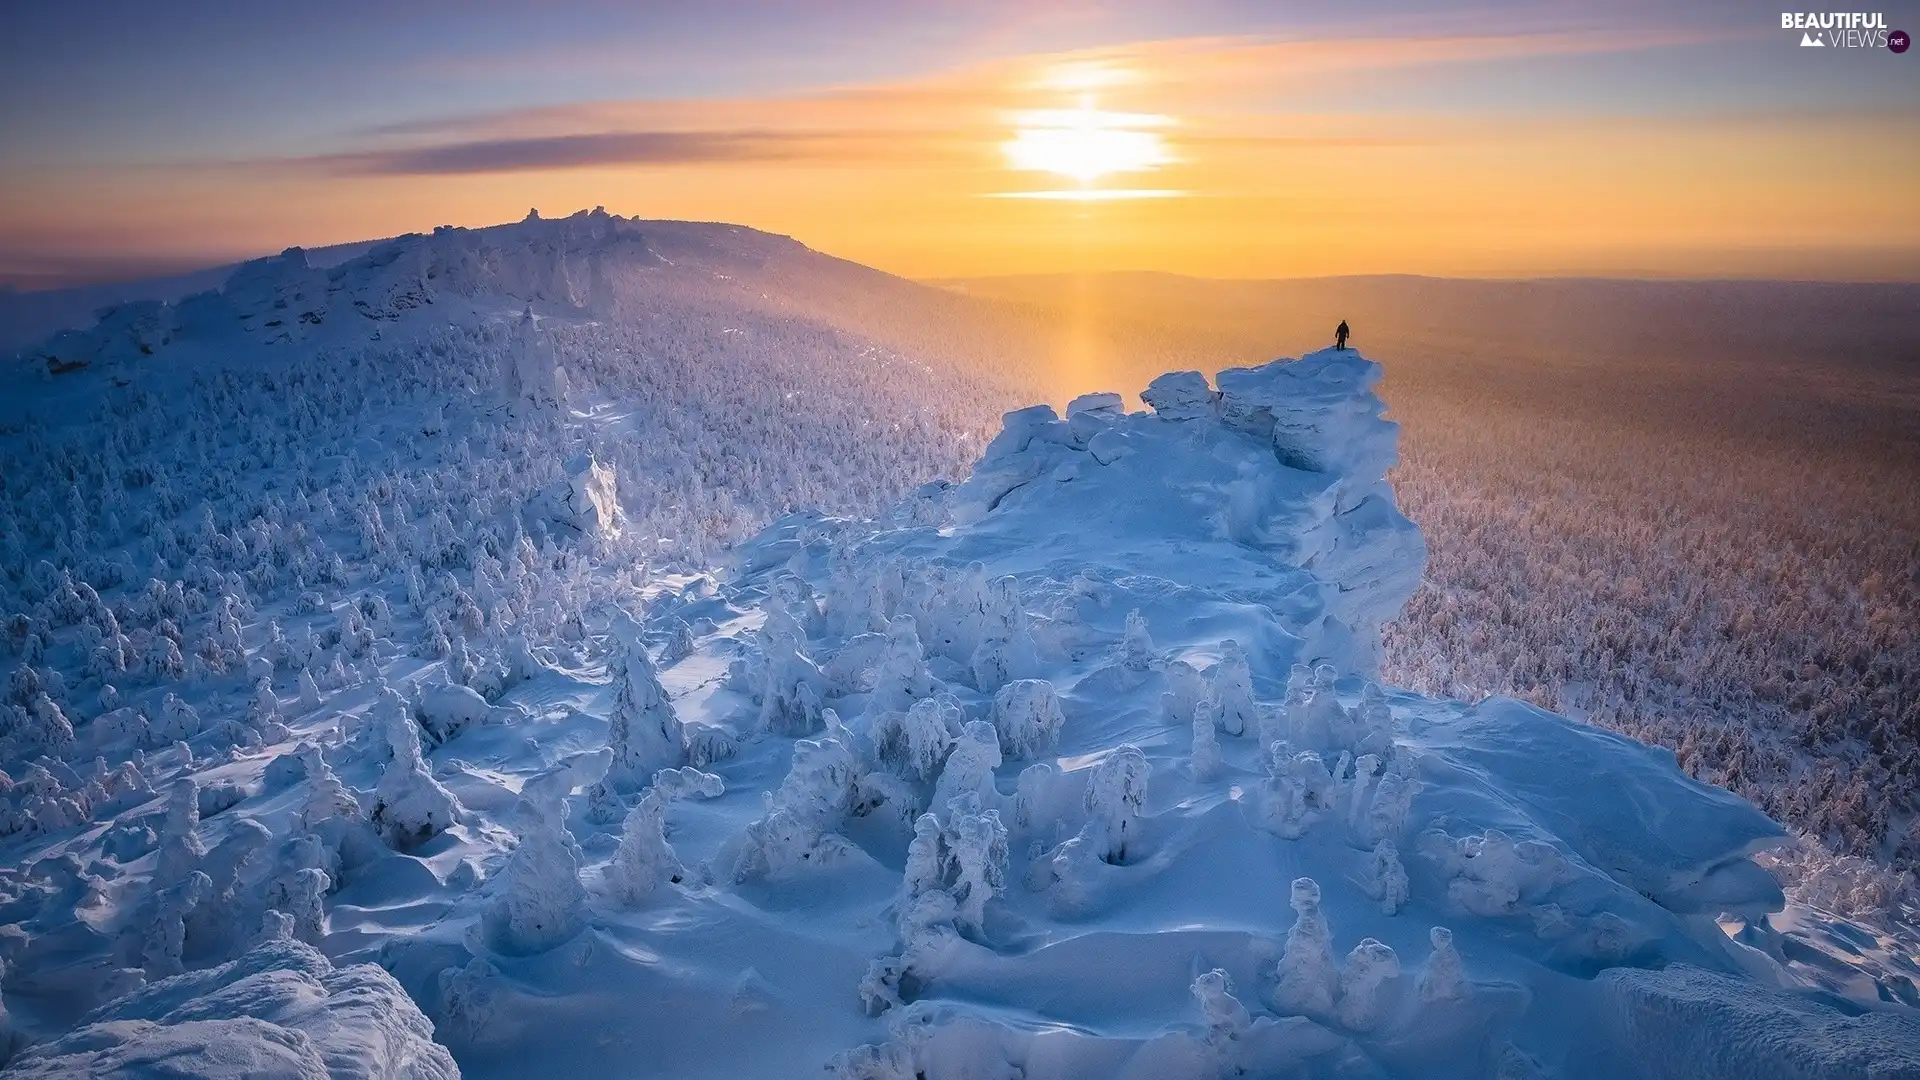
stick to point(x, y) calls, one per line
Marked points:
point(1421, 154)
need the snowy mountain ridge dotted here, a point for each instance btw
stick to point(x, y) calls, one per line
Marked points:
point(561, 265)
point(1076, 767)
point(1132, 606)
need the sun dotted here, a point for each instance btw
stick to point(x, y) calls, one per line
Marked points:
point(1087, 143)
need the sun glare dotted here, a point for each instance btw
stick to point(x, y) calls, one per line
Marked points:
point(1085, 145)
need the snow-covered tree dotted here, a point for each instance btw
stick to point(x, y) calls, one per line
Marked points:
point(1308, 976)
point(969, 766)
point(327, 797)
point(1136, 652)
point(1362, 983)
point(801, 819)
point(1442, 978)
point(1226, 1019)
point(903, 677)
point(1205, 759)
point(1027, 715)
point(409, 805)
point(645, 860)
point(915, 742)
point(643, 730)
point(181, 849)
point(1230, 684)
point(1387, 881)
point(541, 901)
point(1116, 791)
point(165, 930)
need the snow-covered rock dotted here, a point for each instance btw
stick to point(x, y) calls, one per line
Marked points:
point(1683, 1021)
point(281, 1011)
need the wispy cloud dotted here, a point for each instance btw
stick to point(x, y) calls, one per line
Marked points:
point(591, 150)
point(896, 120)
point(568, 152)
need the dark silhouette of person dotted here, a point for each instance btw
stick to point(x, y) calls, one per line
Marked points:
point(1340, 335)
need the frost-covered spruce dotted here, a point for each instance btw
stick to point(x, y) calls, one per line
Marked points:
point(1308, 976)
point(927, 865)
point(163, 660)
point(541, 902)
point(679, 644)
point(1386, 816)
point(969, 766)
point(1204, 760)
point(306, 904)
point(519, 659)
point(54, 732)
point(1136, 651)
point(216, 919)
point(1069, 876)
point(1315, 717)
point(1231, 685)
point(1116, 791)
point(10, 1037)
point(976, 843)
point(179, 722)
point(1287, 796)
point(409, 805)
point(915, 742)
point(645, 860)
point(801, 817)
point(1006, 648)
point(1030, 794)
point(275, 925)
point(889, 1060)
point(309, 692)
point(902, 678)
point(1388, 878)
point(643, 730)
point(1373, 721)
point(165, 929)
point(181, 851)
point(468, 999)
point(327, 797)
point(789, 691)
point(1442, 979)
point(1366, 776)
point(1028, 717)
point(1362, 982)
point(1186, 695)
point(263, 712)
point(306, 852)
point(1491, 873)
point(1227, 1020)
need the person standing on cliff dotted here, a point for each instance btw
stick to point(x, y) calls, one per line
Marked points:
point(1340, 335)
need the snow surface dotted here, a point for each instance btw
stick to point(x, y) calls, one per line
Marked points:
point(280, 1010)
point(1075, 768)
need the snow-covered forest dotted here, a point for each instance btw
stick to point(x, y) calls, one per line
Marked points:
point(1687, 512)
point(1740, 597)
point(504, 638)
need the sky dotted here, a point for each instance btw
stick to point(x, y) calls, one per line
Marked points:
point(1217, 138)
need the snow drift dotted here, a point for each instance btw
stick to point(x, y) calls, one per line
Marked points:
point(1077, 768)
point(1199, 589)
point(280, 1011)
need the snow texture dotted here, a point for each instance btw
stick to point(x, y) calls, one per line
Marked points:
point(280, 1011)
point(430, 609)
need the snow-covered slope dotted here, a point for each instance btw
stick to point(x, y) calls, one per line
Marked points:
point(418, 650)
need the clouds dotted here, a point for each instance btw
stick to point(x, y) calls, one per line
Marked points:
point(571, 152)
point(1423, 139)
point(937, 118)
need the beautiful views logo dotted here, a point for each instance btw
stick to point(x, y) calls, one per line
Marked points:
point(1844, 30)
